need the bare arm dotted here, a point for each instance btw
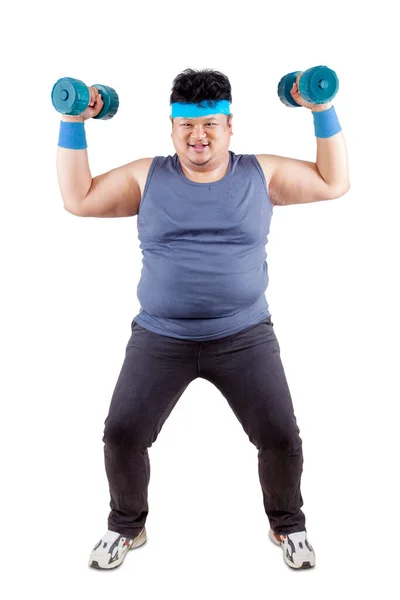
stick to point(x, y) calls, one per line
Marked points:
point(293, 181)
point(73, 172)
point(113, 194)
point(74, 176)
point(116, 193)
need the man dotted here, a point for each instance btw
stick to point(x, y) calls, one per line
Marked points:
point(203, 221)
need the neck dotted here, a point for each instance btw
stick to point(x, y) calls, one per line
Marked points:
point(213, 170)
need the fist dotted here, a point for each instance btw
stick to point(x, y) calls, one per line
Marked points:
point(93, 108)
point(294, 92)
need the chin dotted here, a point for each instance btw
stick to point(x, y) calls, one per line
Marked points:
point(199, 160)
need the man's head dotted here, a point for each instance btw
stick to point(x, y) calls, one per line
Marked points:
point(201, 139)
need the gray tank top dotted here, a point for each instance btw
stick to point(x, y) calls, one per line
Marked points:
point(204, 270)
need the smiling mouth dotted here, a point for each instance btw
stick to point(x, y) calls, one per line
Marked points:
point(199, 147)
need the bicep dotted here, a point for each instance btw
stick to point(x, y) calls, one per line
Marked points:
point(293, 181)
point(112, 194)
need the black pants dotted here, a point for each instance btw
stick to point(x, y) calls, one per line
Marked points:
point(246, 368)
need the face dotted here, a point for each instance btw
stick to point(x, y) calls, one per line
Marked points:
point(202, 143)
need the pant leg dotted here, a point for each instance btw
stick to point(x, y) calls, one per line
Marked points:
point(155, 373)
point(247, 369)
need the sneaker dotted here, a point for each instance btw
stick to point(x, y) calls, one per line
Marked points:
point(112, 549)
point(297, 551)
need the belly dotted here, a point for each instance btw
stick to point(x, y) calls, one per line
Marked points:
point(177, 290)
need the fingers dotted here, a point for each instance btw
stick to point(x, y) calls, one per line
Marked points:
point(95, 105)
point(295, 91)
point(95, 97)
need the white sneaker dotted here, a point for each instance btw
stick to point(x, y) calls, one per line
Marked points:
point(111, 550)
point(297, 551)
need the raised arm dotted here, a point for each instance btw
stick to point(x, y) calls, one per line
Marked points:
point(116, 193)
point(293, 181)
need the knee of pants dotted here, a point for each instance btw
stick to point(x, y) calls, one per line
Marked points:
point(280, 436)
point(123, 433)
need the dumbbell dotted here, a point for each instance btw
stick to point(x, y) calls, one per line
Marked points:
point(317, 85)
point(71, 97)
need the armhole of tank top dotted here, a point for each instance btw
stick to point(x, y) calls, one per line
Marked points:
point(149, 176)
point(261, 172)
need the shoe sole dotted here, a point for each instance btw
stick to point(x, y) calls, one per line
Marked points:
point(305, 565)
point(139, 541)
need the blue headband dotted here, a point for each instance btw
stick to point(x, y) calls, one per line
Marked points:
point(191, 111)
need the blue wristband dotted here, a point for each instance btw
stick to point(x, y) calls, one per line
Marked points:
point(72, 135)
point(326, 123)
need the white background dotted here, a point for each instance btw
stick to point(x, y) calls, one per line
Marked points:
point(69, 296)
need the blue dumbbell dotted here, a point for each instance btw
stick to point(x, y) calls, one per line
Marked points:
point(317, 85)
point(71, 97)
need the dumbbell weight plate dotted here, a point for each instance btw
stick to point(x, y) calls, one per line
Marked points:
point(284, 87)
point(318, 85)
point(70, 96)
point(110, 99)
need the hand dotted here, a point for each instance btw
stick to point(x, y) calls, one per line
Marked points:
point(92, 110)
point(294, 92)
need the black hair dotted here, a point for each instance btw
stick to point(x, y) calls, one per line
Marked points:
point(198, 86)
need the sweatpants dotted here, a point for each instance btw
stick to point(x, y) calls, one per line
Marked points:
point(246, 368)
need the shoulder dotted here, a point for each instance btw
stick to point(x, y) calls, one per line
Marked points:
point(139, 171)
point(268, 163)
point(141, 166)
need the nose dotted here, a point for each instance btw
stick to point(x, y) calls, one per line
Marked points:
point(198, 132)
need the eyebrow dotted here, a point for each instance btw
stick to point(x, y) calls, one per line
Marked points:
point(191, 118)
